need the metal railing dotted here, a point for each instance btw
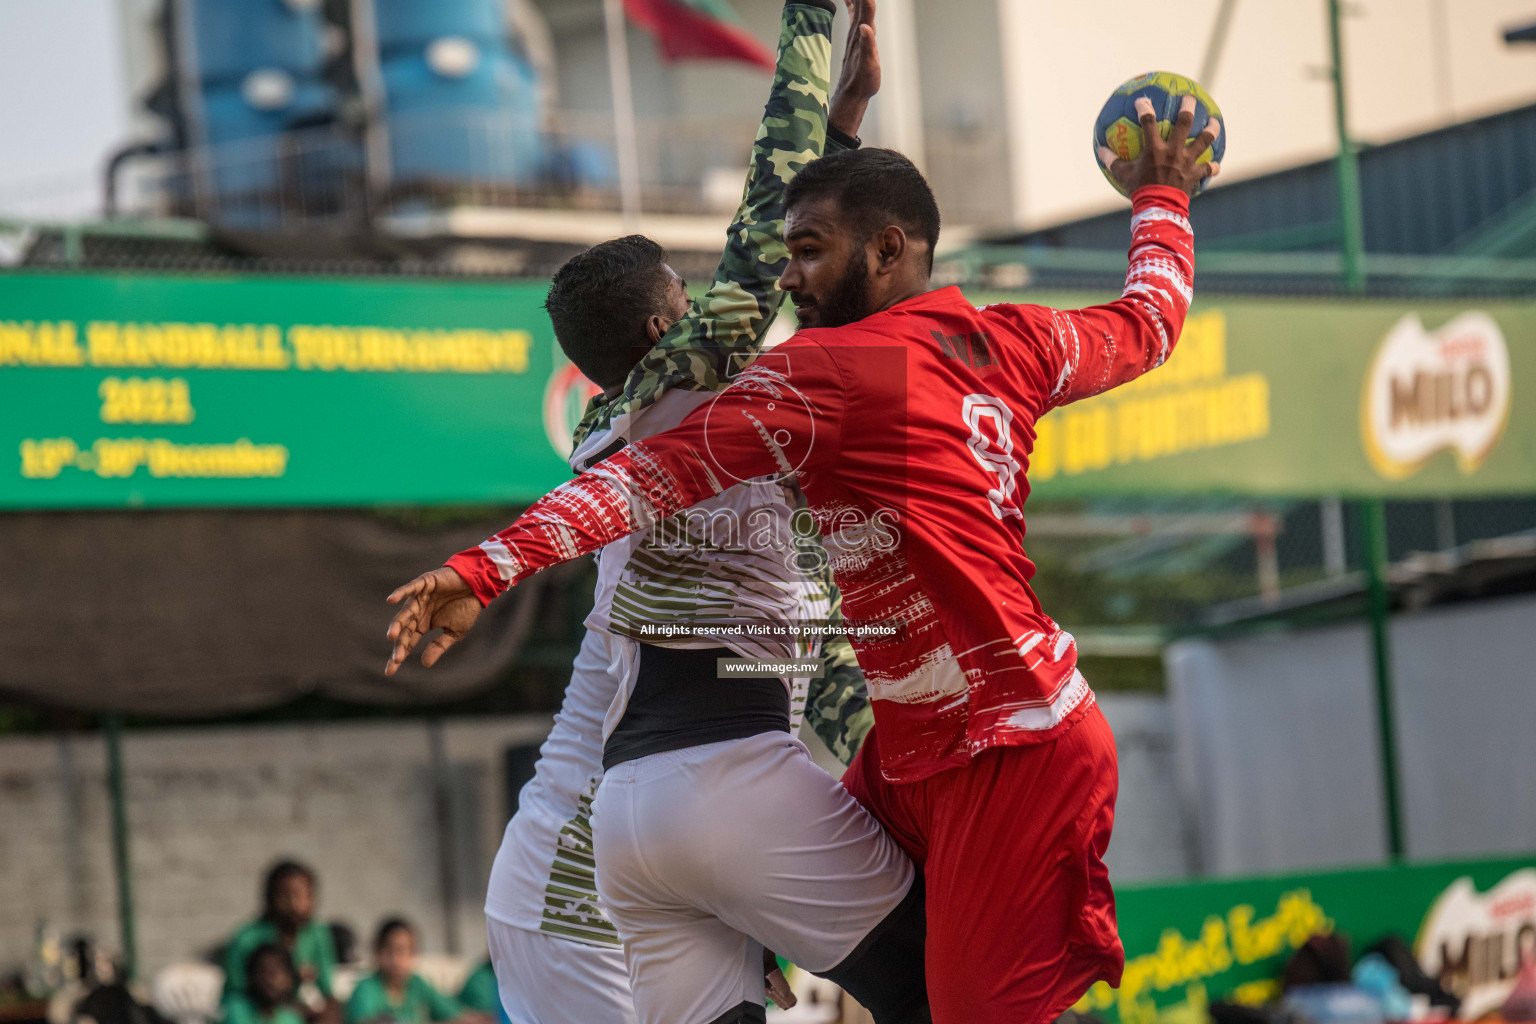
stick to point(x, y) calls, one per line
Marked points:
point(317, 175)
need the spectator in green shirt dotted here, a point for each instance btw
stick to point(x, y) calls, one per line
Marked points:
point(480, 993)
point(273, 987)
point(287, 920)
point(395, 992)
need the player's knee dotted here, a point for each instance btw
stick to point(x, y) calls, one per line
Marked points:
point(886, 973)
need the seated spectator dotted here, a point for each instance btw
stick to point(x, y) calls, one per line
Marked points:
point(271, 992)
point(480, 993)
point(395, 992)
point(287, 920)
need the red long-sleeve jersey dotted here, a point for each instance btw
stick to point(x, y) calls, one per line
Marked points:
point(911, 432)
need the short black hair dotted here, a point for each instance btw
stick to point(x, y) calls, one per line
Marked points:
point(279, 873)
point(874, 188)
point(277, 952)
point(599, 301)
point(389, 927)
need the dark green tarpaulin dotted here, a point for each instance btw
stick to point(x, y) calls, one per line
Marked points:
point(194, 614)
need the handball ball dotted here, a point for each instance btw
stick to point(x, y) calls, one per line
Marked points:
point(1119, 128)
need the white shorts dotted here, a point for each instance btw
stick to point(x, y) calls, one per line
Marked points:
point(544, 979)
point(705, 853)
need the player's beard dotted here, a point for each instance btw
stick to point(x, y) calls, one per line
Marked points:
point(849, 299)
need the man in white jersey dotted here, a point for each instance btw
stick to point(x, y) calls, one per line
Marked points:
point(554, 948)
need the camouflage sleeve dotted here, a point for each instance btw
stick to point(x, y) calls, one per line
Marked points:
point(837, 706)
point(724, 329)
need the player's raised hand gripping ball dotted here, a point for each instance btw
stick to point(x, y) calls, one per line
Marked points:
point(1119, 132)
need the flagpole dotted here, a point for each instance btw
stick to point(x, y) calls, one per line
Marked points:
point(623, 114)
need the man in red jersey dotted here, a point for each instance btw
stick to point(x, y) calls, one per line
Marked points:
point(909, 415)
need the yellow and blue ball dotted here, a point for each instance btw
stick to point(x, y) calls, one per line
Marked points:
point(1119, 127)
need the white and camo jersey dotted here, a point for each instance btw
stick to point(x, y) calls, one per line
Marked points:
point(730, 572)
point(689, 571)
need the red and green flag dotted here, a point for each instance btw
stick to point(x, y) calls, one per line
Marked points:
point(698, 28)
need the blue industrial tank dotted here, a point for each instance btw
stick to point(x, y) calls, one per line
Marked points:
point(235, 37)
point(463, 104)
point(248, 150)
point(259, 67)
point(408, 24)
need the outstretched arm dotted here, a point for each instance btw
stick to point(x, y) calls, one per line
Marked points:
point(1088, 351)
point(781, 415)
point(724, 329)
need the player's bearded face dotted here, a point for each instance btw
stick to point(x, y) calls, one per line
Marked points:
point(846, 301)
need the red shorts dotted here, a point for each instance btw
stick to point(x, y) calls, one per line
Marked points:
point(1021, 917)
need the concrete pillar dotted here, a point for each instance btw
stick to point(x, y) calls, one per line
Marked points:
point(899, 107)
point(1013, 27)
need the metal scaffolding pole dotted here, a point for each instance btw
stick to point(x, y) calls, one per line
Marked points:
point(1372, 514)
point(112, 731)
point(1372, 511)
point(447, 847)
point(624, 133)
point(1351, 223)
point(378, 161)
point(1216, 44)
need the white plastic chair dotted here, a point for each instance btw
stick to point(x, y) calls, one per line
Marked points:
point(446, 973)
point(188, 992)
point(344, 978)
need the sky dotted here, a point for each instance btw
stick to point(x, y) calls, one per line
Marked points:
point(63, 103)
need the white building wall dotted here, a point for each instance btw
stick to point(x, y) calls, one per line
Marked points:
point(211, 808)
point(1152, 838)
point(1279, 756)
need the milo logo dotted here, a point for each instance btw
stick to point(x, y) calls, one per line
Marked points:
point(1473, 942)
point(1432, 390)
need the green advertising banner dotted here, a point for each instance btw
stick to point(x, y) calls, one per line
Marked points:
point(163, 391)
point(1190, 944)
point(137, 390)
point(1311, 398)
